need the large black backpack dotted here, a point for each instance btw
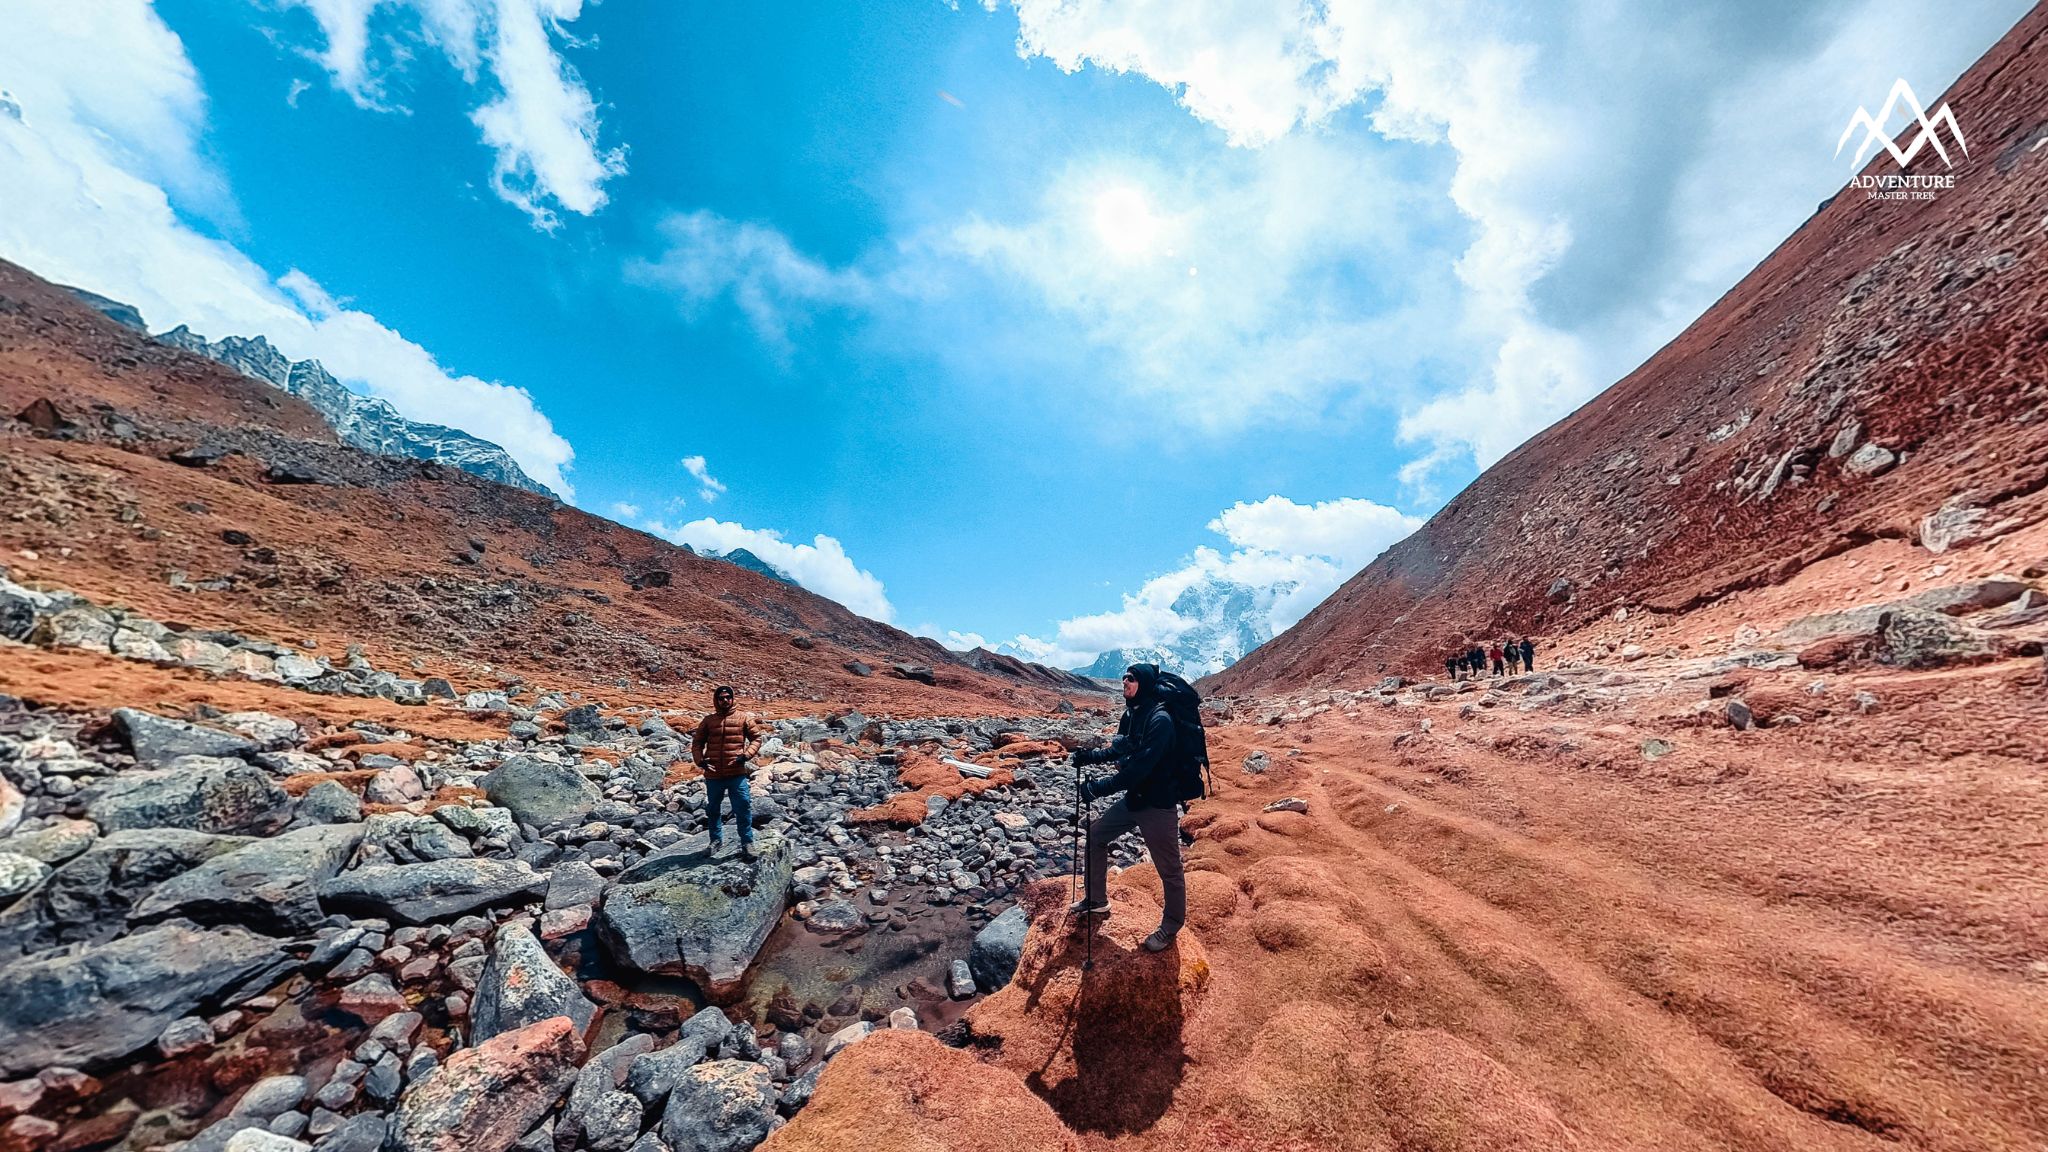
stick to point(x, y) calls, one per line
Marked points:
point(1187, 763)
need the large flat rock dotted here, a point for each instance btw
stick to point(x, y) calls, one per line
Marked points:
point(89, 1005)
point(483, 1099)
point(158, 740)
point(88, 898)
point(681, 912)
point(269, 885)
point(436, 890)
point(202, 793)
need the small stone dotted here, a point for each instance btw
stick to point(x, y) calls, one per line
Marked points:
point(19, 874)
point(904, 1017)
point(1289, 804)
point(1870, 460)
point(263, 1140)
point(372, 998)
point(268, 1097)
point(187, 1034)
point(1739, 716)
point(960, 980)
point(851, 1034)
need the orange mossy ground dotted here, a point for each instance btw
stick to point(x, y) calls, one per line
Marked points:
point(922, 776)
point(905, 1090)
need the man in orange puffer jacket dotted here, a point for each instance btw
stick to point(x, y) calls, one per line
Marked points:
point(724, 741)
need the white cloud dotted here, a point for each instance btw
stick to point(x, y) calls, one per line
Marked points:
point(708, 486)
point(707, 259)
point(539, 119)
point(954, 640)
point(87, 178)
point(822, 566)
point(1291, 555)
point(1619, 169)
point(625, 511)
point(1233, 287)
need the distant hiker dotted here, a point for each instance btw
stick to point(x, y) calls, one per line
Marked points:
point(1153, 761)
point(1475, 659)
point(1499, 662)
point(1451, 667)
point(1528, 654)
point(1513, 652)
point(724, 741)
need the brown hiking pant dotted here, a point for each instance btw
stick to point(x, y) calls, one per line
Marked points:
point(1161, 829)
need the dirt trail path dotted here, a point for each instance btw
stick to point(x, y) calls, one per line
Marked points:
point(1515, 930)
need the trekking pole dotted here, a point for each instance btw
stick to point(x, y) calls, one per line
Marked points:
point(1074, 869)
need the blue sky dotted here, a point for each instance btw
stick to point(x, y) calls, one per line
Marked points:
point(995, 322)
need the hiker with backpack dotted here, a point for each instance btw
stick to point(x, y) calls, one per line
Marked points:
point(1160, 752)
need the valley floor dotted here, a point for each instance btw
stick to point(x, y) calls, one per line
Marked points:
point(1580, 910)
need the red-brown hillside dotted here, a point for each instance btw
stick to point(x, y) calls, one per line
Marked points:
point(412, 560)
point(1915, 326)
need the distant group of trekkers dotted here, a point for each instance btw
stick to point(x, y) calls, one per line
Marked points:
point(1507, 658)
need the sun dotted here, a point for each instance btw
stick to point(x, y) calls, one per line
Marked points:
point(1125, 223)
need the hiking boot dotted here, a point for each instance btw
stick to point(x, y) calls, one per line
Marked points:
point(1084, 908)
point(717, 847)
point(747, 853)
point(1161, 939)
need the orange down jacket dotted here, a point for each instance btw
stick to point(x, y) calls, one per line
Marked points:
point(721, 745)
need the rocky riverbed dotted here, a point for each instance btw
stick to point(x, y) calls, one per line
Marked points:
point(233, 931)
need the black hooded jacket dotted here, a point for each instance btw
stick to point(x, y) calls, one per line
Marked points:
point(1143, 738)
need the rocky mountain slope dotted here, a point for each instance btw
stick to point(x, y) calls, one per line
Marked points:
point(363, 421)
point(140, 475)
point(1878, 377)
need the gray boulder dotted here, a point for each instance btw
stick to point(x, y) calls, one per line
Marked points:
point(61, 840)
point(329, 803)
point(87, 900)
point(680, 912)
point(403, 838)
point(87, 1006)
point(439, 890)
point(202, 793)
point(722, 1106)
point(270, 733)
point(484, 1099)
point(541, 792)
point(362, 1132)
point(573, 884)
point(522, 985)
point(653, 1076)
point(158, 740)
point(269, 885)
point(603, 1074)
point(993, 956)
point(1973, 596)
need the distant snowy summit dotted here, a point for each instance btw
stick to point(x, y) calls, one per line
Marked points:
point(1221, 621)
point(365, 422)
point(741, 558)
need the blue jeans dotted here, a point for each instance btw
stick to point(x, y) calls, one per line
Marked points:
point(715, 793)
